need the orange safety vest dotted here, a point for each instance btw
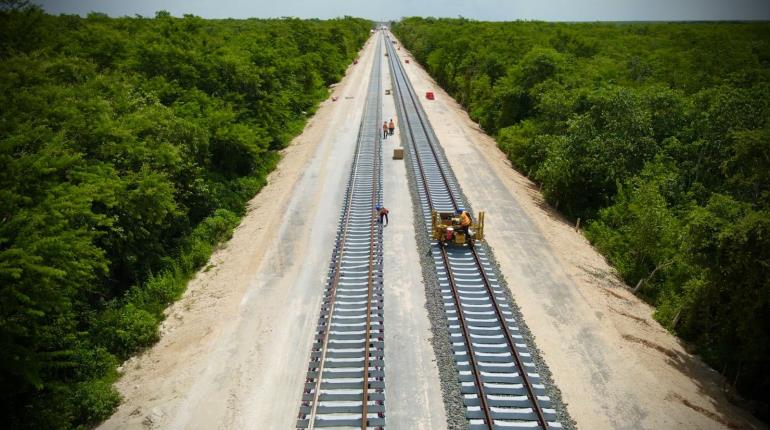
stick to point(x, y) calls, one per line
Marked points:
point(391, 125)
point(465, 219)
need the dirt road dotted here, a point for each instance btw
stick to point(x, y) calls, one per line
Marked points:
point(616, 366)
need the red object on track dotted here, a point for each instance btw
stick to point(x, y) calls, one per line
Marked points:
point(407, 61)
point(429, 95)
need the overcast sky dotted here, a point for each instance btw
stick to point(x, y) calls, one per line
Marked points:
point(498, 10)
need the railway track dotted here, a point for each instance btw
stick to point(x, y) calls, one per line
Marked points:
point(345, 379)
point(499, 381)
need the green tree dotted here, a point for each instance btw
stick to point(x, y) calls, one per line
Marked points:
point(129, 148)
point(656, 135)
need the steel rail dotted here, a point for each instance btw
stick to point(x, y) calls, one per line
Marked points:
point(461, 317)
point(425, 129)
point(373, 225)
point(330, 300)
point(450, 276)
point(469, 344)
point(511, 343)
point(333, 296)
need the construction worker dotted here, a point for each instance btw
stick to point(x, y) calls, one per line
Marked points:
point(384, 129)
point(382, 212)
point(391, 126)
point(465, 220)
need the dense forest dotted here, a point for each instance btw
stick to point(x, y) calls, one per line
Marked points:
point(129, 148)
point(657, 135)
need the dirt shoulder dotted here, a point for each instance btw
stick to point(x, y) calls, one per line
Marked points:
point(615, 365)
point(234, 349)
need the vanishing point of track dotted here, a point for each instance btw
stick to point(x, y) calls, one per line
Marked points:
point(345, 379)
point(500, 383)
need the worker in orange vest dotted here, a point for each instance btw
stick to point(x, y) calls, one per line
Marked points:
point(391, 126)
point(384, 129)
point(465, 219)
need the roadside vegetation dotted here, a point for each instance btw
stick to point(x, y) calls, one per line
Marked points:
point(657, 136)
point(129, 148)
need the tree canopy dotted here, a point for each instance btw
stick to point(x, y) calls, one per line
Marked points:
point(658, 135)
point(129, 147)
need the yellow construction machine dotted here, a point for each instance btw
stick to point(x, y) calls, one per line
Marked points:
point(447, 228)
